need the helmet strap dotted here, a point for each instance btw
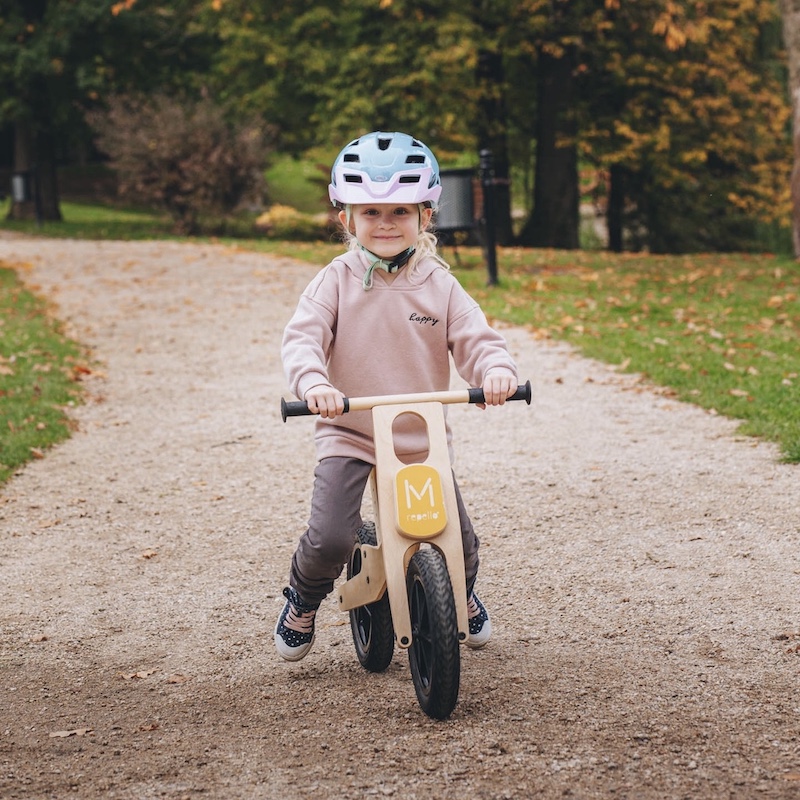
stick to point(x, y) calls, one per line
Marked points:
point(389, 265)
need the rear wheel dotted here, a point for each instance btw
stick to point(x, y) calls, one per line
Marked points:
point(434, 655)
point(373, 632)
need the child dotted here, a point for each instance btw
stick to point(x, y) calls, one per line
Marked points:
point(384, 318)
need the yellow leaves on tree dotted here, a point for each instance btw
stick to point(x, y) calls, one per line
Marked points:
point(124, 5)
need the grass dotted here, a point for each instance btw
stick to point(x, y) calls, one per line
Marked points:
point(40, 370)
point(299, 184)
point(95, 222)
point(721, 331)
point(718, 330)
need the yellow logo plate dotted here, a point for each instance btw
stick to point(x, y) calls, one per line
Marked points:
point(419, 501)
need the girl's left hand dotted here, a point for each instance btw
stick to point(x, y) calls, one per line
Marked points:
point(497, 388)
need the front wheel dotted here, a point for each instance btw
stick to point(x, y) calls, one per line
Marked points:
point(434, 655)
point(373, 632)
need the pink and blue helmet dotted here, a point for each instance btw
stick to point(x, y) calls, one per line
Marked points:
point(385, 168)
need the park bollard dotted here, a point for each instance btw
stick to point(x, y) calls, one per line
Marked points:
point(489, 238)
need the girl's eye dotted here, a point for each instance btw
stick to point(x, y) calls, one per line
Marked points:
point(400, 212)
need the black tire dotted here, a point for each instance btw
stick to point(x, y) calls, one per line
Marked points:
point(434, 655)
point(373, 632)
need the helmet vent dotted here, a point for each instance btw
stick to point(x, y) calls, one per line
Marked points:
point(409, 179)
point(352, 157)
point(352, 179)
point(415, 159)
point(383, 144)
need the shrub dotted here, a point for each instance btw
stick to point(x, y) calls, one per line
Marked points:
point(181, 155)
point(285, 222)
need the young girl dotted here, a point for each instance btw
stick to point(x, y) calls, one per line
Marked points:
point(384, 318)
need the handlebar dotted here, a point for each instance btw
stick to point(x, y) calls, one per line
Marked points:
point(299, 408)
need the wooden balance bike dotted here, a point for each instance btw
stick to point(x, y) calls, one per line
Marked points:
point(405, 579)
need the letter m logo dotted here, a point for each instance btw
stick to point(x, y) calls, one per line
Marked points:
point(419, 501)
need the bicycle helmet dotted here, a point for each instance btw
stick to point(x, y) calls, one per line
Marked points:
point(385, 168)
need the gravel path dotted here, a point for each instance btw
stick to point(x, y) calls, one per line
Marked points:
point(640, 561)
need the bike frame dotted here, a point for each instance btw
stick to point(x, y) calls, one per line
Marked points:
point(415, 504)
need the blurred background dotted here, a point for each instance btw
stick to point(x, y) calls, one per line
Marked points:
point(651, 126)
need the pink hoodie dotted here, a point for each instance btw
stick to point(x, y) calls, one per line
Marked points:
point(395, 338)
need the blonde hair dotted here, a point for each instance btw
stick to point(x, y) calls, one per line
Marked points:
point(426, 246)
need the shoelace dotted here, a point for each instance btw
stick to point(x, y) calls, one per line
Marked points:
point(472, 607)
point(302, 622)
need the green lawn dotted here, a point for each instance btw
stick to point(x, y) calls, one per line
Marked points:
point(718, 330)
point(721, 331)
point(95, 222)
point(40, 370)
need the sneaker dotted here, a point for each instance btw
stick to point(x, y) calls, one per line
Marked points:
point(294, 633)
point(480, 626)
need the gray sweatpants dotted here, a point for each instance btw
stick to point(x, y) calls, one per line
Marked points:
point(325, 547)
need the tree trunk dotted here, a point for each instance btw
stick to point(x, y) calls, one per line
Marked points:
point(492, 135)
point(34, 143)
point(790, 11)
point(555, 220)
point(35, 167)
point(616, 209)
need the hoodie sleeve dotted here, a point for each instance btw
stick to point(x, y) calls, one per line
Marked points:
point(477, 348)
point(308, 337)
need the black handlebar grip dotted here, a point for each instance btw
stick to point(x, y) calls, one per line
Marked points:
point(523, 393)
point(294, 408)
point(299, 408)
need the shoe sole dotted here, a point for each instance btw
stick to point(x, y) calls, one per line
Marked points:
point(481, 639)
point(291, 653)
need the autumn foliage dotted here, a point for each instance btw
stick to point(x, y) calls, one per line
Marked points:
point(181, 155)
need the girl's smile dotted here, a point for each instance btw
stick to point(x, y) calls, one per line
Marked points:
point(386, 229)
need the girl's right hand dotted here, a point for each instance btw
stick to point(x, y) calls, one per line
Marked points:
point(325, 401)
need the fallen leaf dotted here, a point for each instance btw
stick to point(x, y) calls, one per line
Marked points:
point(177, 678)
point(66, 734)
point(145, 673)
point(149, 553)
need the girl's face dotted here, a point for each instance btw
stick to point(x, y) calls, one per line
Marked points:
point(387, 229)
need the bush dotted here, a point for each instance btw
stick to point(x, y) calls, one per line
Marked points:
point(285, 222)
point(181, 155)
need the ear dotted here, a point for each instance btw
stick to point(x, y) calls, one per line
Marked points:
point(425, 215)
point(343, 219)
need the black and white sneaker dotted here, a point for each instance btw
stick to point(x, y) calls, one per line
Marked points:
point(294, 633)
point(480, 626)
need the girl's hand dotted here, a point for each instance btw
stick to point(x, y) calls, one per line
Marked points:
point(325, 401)
point(497, 388)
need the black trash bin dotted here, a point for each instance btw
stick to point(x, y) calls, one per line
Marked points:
point(457, 202)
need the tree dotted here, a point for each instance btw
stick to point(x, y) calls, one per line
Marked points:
point(790, 10)
point(687, 114)
point(492, 118)
point(39, 43)
point(58, 57)
point(554, 31)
